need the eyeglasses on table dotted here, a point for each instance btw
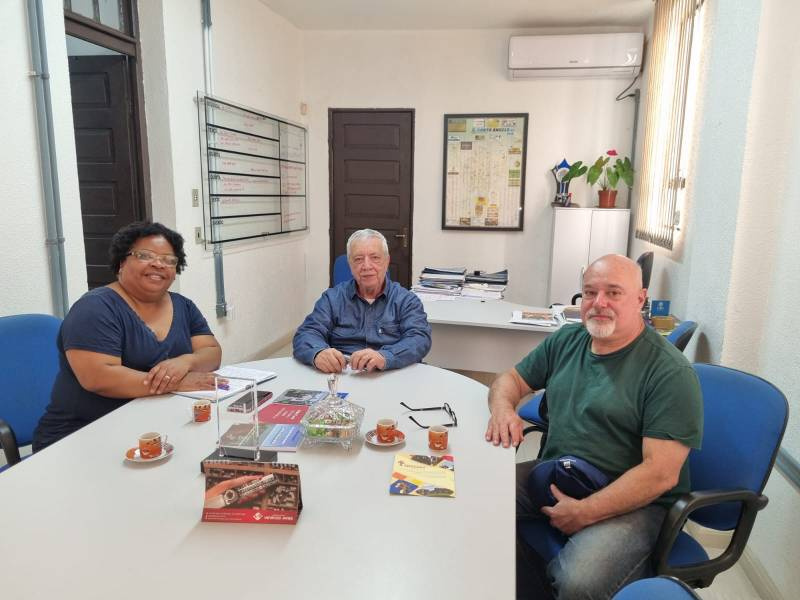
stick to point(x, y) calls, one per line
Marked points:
point(446, 408)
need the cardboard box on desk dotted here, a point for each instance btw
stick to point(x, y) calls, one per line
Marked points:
point(251, 492)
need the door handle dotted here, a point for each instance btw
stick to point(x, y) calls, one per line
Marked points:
point(404, 237)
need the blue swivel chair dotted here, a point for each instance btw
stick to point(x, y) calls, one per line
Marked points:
point(680, 336)
point(744, 421)
point(534, 412)
point(656, 588)
point(28, 366)
point(341, 270)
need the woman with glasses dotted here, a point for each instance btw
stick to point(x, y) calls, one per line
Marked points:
point(130, 338)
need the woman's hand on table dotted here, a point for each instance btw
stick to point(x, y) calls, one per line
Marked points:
point(167, 375)
point(196, 381)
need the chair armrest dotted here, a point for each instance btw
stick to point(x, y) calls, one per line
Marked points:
point(8, 442)
point(703, 573)
point(531, 427)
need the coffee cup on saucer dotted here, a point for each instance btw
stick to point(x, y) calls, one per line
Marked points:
point(150, 445)
point(386, 429)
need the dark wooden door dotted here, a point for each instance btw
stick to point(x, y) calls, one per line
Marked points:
point(372, 181)
point(104, 145)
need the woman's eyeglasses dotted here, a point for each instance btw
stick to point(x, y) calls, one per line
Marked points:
point(446, 408)
point(168, 260)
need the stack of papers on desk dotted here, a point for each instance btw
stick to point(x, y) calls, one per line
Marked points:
point(446, 275)
point(542, 318)
point(499, 278)
point(484, 291)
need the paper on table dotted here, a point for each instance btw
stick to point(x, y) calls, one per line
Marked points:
point(427, 297)
point(239, 379)
point(542, 318)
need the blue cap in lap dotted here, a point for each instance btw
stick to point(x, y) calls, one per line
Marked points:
point(574, 476)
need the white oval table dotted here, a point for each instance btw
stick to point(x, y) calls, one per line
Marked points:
point(78, 521)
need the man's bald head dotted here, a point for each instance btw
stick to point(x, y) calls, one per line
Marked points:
point(626, 268)
point(612, 302)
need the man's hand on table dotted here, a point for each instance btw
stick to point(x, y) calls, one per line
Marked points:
point(367, 360)
point(330, 360)
point(505, 427)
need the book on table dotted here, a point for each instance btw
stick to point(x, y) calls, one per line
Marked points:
point(423, 475)
point(284, 414)
point(306, 397)
point(281, 437)
point(251, 492)
point(239, 380)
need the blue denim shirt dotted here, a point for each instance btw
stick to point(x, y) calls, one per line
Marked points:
point(395, 325)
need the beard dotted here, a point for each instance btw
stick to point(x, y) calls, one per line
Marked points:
point(600, 329)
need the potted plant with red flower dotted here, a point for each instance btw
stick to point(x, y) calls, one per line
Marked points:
point(611, 172)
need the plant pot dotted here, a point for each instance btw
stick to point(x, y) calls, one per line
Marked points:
point(608, 198)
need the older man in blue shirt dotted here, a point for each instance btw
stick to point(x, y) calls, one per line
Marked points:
point(375, 321)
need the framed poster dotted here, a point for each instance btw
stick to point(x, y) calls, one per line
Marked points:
point(484, 171)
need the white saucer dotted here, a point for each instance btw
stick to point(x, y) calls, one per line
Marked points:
point(132, 455)
point(371, 438)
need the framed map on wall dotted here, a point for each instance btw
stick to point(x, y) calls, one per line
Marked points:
point(484, 171)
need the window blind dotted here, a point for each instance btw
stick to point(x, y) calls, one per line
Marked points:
point(665, 104)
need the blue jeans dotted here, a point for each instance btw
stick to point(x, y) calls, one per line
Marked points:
point(595, 562)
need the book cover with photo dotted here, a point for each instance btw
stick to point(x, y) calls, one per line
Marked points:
point(248, 492)
point(304, 397)
point(423, 475)
point(241, 440)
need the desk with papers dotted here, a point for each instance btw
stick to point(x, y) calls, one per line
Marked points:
point(476, 335)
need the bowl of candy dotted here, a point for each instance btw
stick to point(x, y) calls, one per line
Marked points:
point(333, 419)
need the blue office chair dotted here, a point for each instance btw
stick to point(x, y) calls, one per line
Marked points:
point(341, 270)
point(28, 367)
point(680, 336)
point(744, 420)
point(656, 588)
point(535, 413)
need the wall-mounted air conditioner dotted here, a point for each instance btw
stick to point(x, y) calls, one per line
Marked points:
point(583, 55)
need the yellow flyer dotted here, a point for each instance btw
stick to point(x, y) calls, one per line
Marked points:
point(421, 475)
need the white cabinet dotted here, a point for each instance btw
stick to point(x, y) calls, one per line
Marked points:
point(580, 236)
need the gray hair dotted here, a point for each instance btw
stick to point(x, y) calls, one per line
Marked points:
point(365, 234)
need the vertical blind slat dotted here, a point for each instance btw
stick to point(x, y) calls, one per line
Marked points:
point(668, 77)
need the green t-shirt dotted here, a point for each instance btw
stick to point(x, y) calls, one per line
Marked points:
point(601, 406)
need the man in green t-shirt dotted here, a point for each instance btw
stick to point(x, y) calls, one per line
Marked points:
point(622, 398)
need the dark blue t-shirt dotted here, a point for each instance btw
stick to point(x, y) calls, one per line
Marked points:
point(101, 321)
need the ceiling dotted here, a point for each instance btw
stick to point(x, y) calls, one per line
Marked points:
point(460, 14)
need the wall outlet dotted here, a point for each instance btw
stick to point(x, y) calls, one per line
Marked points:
point(195, 198)
point(198, 235)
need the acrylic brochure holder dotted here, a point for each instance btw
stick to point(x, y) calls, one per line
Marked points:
point(238, 429)
point(243, 483)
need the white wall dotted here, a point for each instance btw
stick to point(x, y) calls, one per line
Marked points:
point(257, 61)
point(438, 72)
point(761, 327)
point(737, 275)
point(24, 266)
